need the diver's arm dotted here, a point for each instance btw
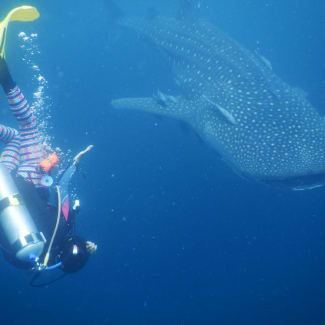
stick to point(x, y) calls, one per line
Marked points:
point(91, 247)
point(22, 111)
point(67, 175)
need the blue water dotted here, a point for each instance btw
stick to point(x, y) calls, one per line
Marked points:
point(182, 239)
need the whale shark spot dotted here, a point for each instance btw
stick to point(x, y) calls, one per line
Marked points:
point(263, 127)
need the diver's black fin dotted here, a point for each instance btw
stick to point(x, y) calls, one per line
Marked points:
point(35, 284)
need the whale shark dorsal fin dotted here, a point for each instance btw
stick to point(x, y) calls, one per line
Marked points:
point(225, 114)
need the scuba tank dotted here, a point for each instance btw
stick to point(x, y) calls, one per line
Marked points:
point(20, 234)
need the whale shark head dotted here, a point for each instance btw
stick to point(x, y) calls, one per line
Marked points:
point(264, 128)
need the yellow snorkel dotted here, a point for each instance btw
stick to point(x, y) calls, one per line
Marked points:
point(23, 13)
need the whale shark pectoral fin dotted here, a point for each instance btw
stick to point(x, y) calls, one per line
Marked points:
point(175, 107)
point(164, 99)
point(223, 112)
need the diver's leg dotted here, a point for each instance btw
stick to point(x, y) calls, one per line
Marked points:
point(22, 111)
point(10, 155)
point(31, 148)
point(18, 104)
point(11, 138)
point(6, 80)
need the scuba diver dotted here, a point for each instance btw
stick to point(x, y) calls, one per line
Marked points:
point(37, 221)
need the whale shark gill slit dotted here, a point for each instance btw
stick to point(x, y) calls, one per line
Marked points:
point(222, 110)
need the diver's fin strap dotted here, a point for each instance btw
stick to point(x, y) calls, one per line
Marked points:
point(11, 200)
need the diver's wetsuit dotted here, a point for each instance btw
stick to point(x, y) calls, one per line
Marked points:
point(24, 149)
point(23, 152)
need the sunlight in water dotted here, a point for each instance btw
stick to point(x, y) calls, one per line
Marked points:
point(42, 103)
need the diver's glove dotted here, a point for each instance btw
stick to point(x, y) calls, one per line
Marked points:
point(6, 80)
point(91, 247)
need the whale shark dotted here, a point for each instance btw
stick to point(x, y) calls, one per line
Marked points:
point(263, 128)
